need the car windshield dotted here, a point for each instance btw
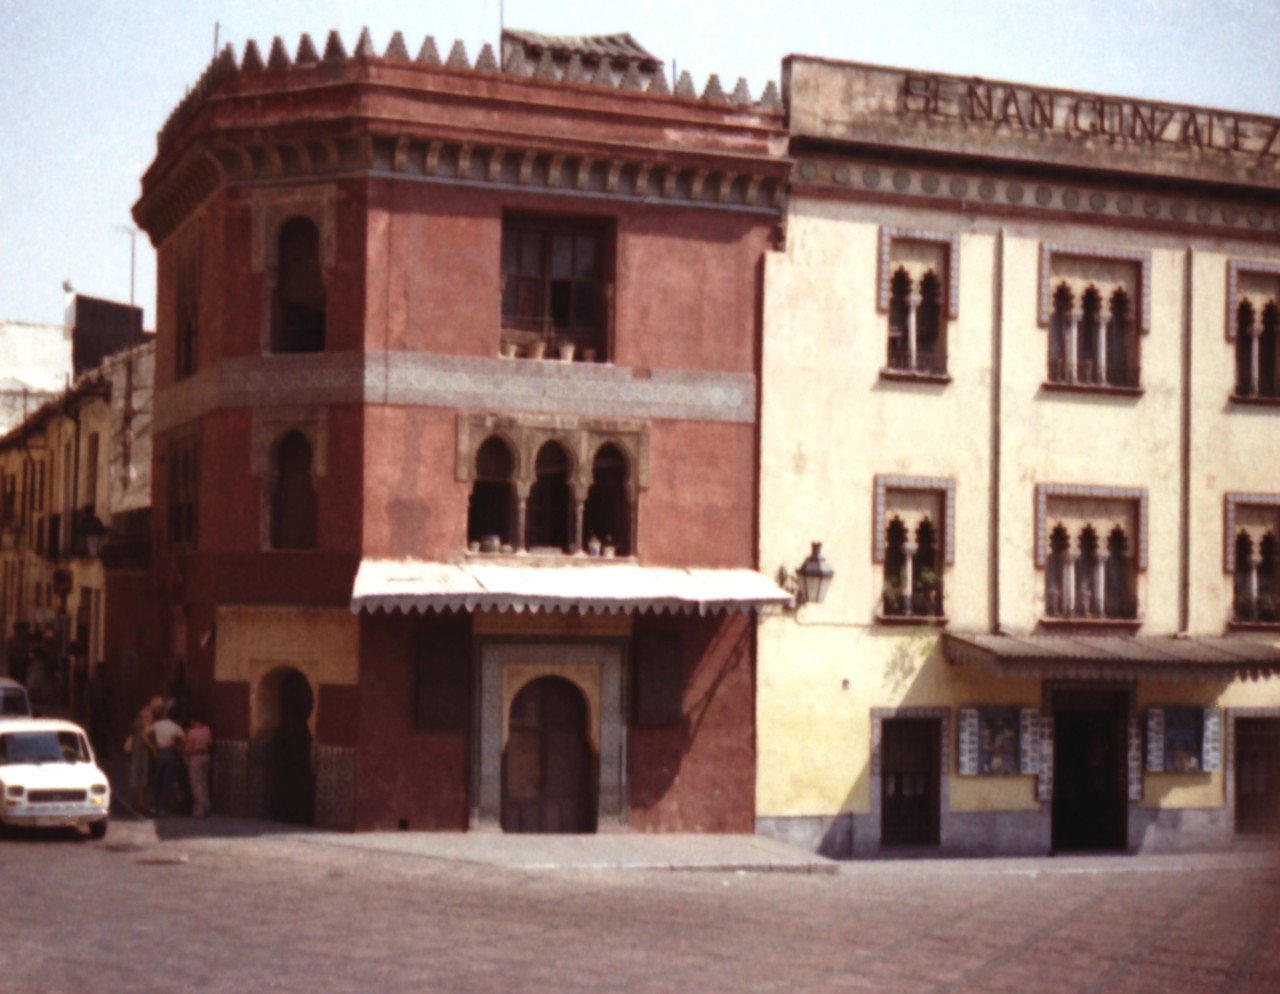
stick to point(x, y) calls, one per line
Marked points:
point(12, 701)
point(43, 747)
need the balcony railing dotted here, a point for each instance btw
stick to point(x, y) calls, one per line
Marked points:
point(1265, 608)
point(928, 362)
point(921, 604)
point(1127, 375)
point(1087, 608)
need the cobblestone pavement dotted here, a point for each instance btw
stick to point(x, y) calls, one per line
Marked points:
point(239, 911)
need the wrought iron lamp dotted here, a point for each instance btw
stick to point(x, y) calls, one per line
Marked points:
point(813, 579)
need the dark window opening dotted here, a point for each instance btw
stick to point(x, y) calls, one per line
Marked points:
point(926, 577)
point(183, 492)
point(549, 522)
point(298, 305)
point(1059, 334)
point(554, 290)
point(293, 497)
point(1121, 575)
point(1244, 349)
point(895, 560)
point(1123, 369)
point(1056, 604)
point(186, 347)
point(925, 352)
point(1256, 596)
point(607, 518)
point(491, 515)
point(1086, 600)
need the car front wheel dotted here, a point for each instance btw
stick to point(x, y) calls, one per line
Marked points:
point(98, 829)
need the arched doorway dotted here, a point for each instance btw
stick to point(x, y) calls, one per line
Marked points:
point(548, 767)
point(292, 793)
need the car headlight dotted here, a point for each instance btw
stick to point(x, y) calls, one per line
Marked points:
point(99, 788)
point(15, 790)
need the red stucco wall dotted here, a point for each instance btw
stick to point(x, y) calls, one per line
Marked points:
point(699, 776)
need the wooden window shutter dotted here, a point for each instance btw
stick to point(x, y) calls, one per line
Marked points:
point(442, 684)
point(659, 681)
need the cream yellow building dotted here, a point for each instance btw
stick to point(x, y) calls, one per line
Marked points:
point(1020, 379)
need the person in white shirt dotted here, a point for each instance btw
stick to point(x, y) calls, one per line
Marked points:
point(165, 737)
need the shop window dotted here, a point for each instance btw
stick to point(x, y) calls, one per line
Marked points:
point(918, 292)
point(1253, 528)
point(184, 494)
point(549, 524)
point(1092, 550)
point(555, 291)
point(1094, 306)
point(914, 517)
point(293, 494)
point(607, 516)
point(491, 515)
point(298, 297)
point(1184, 740)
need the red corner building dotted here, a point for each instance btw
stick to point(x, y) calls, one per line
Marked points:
point(456, 433)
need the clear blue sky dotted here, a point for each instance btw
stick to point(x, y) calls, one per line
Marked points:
point(84, 86)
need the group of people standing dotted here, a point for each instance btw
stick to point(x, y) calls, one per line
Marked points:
point(169, 755)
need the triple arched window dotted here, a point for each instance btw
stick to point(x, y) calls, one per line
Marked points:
point(560, 504)
point(1092, 341)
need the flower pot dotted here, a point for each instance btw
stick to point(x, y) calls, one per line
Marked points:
point(508, 349)
point(566, 351)
point(537, 349)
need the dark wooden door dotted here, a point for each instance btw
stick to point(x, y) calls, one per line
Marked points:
point(548, 764)
point(910, 786)
point(1090, 774)
point(1257, 776)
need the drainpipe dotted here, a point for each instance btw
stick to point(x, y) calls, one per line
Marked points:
point(997, 358)
point(1184, 456)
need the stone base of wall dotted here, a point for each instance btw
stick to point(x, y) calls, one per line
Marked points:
point(335, 788)
point(242, 778)
point(964, 834)
point(1185, 830)
point(826, 835)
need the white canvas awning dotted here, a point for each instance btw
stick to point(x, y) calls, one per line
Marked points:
point(591, 585)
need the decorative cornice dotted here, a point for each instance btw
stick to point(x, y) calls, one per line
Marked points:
point(460, 383)
point(546, 69)
point(1047, 491)
point(1049, 250)
point(1077, 202)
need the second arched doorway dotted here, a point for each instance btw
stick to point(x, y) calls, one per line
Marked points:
point(549, 767)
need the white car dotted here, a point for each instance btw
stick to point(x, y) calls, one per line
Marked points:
point(48, 777)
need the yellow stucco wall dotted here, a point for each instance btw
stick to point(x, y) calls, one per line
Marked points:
point(831, 423)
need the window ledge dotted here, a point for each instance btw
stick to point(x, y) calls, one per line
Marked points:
point(914, 376)
point(542, 558)
point(1093, 388)
point(917, 620)
point(1254, 400)
point(1093, 625)
point(1239, 625)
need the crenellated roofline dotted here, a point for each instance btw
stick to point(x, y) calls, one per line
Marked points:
point(568, 122)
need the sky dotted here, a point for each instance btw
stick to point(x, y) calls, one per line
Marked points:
point(86, 84)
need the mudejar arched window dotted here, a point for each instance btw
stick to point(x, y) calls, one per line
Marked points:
point(607, 518)
point(549, 524)
point(298, 297)
point(491, 514)
point(293, 494)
